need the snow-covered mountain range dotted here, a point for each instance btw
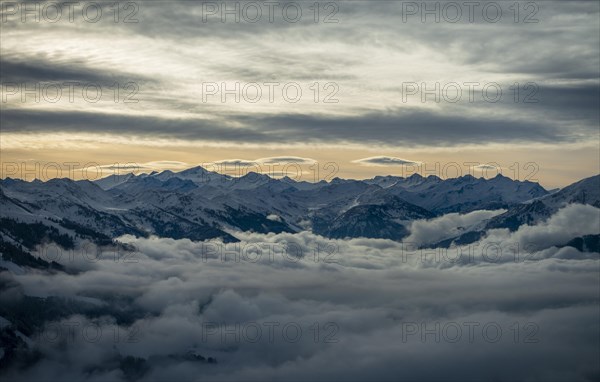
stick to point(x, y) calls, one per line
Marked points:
point(199, 204)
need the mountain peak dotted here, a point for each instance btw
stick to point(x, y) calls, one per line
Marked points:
point(195, 170)
point(253, 175)
point(502, 178)
point(287, 179)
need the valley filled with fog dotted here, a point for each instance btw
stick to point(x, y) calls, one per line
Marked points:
point(518, 304)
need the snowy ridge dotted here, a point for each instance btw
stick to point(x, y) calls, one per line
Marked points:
point(200, 204)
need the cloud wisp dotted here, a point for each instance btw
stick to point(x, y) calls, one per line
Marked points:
point(385, 161)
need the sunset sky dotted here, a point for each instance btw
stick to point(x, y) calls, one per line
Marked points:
point(361, 71)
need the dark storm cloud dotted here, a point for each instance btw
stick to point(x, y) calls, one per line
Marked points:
point(39, 71)
point(394, 127)
point(572, 102)
point(40, 121)
point(406, 127)
point(573, 105)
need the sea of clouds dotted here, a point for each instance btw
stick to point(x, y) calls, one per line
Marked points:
point(513, 306)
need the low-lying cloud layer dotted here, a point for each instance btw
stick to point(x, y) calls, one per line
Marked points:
point(299, 306)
